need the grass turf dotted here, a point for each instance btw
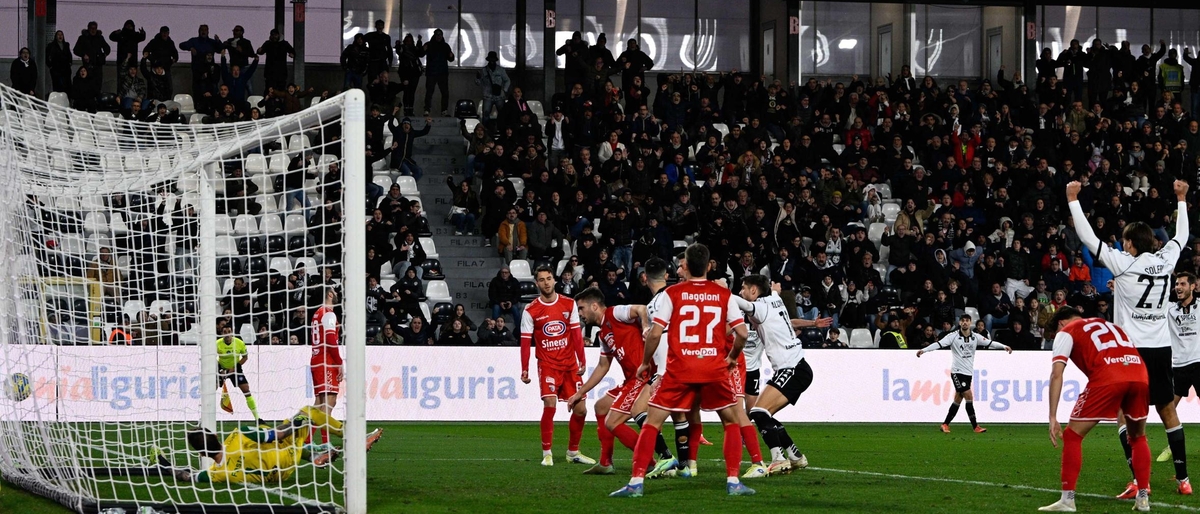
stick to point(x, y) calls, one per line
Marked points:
point(461, 467)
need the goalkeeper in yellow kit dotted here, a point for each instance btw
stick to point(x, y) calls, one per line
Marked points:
point(260, 454)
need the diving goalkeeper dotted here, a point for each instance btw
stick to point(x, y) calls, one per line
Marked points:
point(259, 454)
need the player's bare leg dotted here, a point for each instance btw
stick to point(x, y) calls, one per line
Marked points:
point(325, 403)
point(785, 456)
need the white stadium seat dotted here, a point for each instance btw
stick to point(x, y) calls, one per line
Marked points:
point(246, 225)
point(226, 246)
point(271, 224)
point(437, 291)
point(256, 164)
point(294, 224)
point(159, 307)
point(408, 186)
point(537, 109)
point(282, 265)
point(875, 232)
point(186, 105)
point(278, 163)
point(518, 184)
point(253, 100)
point(224, 225)
point(60, 99)
point(430, 247)
point(973, 313)
point(134, 309)
point(891, 210)
point(384, 181)
point(310, 266)
point(298, 142)
point(519, 268)
point(861, 338)
point(884, 190)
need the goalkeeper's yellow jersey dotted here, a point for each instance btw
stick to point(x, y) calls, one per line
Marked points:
point(249, 461)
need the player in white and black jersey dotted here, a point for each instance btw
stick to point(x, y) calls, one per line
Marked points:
point(1184, 319)
point(753, 352)
point(1141, 280)
point(792, 375)
point(963, 343)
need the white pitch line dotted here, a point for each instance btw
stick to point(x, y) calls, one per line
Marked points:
point(898, 477)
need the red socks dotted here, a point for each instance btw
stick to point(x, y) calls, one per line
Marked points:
point(575, 433)
point(1141, 461)
point(695, 432)
point(643, 451)
point(750, 439)
point(548, 428)
point(1072, 458)
point(628, 436)
point(325, 436)
point(606, 440)
point(733, 449)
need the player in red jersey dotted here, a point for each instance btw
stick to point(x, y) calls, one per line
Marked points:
point(1117, 382)
point(757, 468)
point(326, 362)
point(621, 329)
point(699, 313)
point(551, 323)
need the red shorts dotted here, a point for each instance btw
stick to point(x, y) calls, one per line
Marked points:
point(325, 380)
point(559, 382)
point(1101, 403)
point(738, 378)
point(675, 396)
point(626, 395)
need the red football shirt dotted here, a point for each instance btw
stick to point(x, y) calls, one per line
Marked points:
point(1101, 350)
point(325, 338)
point(696, 315)
point(553, 329)
point(621, 339)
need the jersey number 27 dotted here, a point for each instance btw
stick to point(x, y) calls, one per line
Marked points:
point(1105, 335)
point(691, 319)
point(1150, 283)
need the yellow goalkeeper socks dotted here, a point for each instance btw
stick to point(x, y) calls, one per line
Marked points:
point(253, 406)
point(320, 418)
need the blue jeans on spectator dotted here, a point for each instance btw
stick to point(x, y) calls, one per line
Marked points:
point(299, 196)
point(463, 222)
point(988, 320)
point(374, 191)
point(490, 102)
point(577, 228)
point(400, 268)
point(353, 79)
point(809, 313)
point(411, 169)
point(470, 170)
point(623, 258)
point(515, 311)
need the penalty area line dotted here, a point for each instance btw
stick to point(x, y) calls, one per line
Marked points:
point(988, 484)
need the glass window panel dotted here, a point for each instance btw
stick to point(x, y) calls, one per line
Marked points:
point(1180, 28)
point(535, 25)
point(487, 25)
point(1064, 23)
point(667, 29)
point(723, 42)
point(843, 41)
point(1119, 24)
point(807, 36)
point(616, 19)
point(948, 41)
point(421, 18)
point(568, 19)
point(323, 31)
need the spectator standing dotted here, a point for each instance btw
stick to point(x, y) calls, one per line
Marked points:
point(158, 82)
point(504, 293)
point(202, 47)
point(465, 207)
point(437, 72)
point(84, 90)
point(127, 39)
point(161, 51)
point(403, 137)
point(494, 82)
point(58, 62)
point(379, 44)
point(93, 49)
point(276, 51)
point(354, 62)
point(409, 70)
point(24, 73)
point(633, 63)
point(240, 49)
point(237, 79)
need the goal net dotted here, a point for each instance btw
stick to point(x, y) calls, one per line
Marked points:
point(128, 250)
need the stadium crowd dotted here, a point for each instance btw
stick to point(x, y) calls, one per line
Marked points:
point(894, 203)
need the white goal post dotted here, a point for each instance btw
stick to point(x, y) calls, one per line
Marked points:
point(125, 245)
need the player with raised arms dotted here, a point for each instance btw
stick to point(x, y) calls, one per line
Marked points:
point(620, 336)
point(1185, 344)
point(326, 363)
point(551, 324)
point(231, 355)
point(776, 331)
point(699, 314)
point(1141, 282)
point(255, 454)
point(1117, 382)
point(962, 344)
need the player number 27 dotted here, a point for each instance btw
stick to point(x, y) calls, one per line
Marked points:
point(1099, 329)
point(1162, 297)
point(691, 319)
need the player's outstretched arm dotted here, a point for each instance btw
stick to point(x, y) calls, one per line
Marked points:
point(1082, 226)
point(992, 345)
point(598, 375)
point(812, 323)
point(1182, 228)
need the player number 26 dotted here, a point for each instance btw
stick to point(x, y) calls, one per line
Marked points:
point(691, 319)
point(1105, 335)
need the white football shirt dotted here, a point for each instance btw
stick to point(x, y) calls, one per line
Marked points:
point(963, 349)
point(1141, 288)
point(753, 351)
point(657, 304)
point(1185, 337)
point(769, 317)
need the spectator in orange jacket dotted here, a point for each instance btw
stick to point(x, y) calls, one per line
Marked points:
point(512, 239)
point(1079, 275)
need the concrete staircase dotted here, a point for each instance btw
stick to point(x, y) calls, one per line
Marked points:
point(468, 265)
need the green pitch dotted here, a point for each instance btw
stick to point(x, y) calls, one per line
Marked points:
point(460, 467)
